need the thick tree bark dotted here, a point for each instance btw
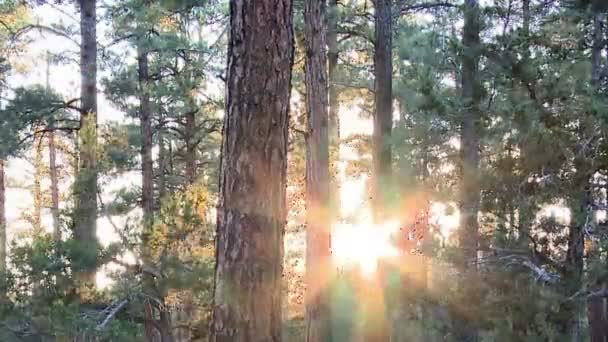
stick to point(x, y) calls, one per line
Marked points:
point(470, 130)
point(318, 327)
point(383, 118)
point(252, 204)
point(334, 107)
point(85, 213)
point(332, 61)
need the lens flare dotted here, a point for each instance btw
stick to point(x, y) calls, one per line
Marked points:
point(363, 244)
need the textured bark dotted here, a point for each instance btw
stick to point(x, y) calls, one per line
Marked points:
point(332, 62)
point(2, 224)
point(318, 327)
point(252, 203)
point(470, 130)
point(334, 107)
point(85, 213)
point(145, 119)
point(383, 118)
point(54, 187)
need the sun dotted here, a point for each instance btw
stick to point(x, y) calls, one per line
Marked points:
point(362, 244)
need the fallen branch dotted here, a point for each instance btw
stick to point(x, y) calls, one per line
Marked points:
point(112, 313)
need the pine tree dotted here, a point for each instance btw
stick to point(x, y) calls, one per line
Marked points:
point(85, 187)
point(252, 208)
point(317, 174)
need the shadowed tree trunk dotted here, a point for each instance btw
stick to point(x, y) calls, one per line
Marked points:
point(334, 104)
point(469, 188)
point(190, 145)
point(376, 326)
point(383, 118)
point(317, 175)
point(252, 204)
point(37, 186)
point(162, 327)
point(2, 227)
point(85, 212)
point(598, 323)
point(469, 197)
point(54, 186)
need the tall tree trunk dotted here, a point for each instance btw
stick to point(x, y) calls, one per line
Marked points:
point(54, 187)
point(37, 187)
point(318, 327)
point(147, 167)
point(190, 145)
point(383, 118)
point(252, 204)
point(598, 323)
point(162, 166)
point(470, 155)
point(470, 130)
point(376, 326)
point(332, 65)
point(525, 201)
point(3, 242)
point(53, 164)
point(85, 213)
point(334, 104)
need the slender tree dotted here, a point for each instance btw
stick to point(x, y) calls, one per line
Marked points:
point(53, 170)
point(2, 224)
point(598, 326)
point(317, 174)
point(383, 115)
point(85, 214)
point(252, 203)
point(470, 126)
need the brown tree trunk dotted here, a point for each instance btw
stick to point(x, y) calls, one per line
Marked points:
point(470, 130)
point(190, 145)
point(469, 196)
point(383, 118)
point(37, 187)
point(85, 213)
point(3, 242)
point(318, 327)
point(145, 118)
point(54, 187)
point(376, 326)
point(334, 104)
point(147, 199)
point(252, 204)
point(162, 166)
point(597, 315)
point(332, 62)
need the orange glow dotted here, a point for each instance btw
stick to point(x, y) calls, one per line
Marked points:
point(363, 244)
